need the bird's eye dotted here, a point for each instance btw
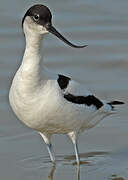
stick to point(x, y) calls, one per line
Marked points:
point(36, 17)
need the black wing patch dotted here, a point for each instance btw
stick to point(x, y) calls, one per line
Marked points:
point(87, 100)
point(63, 81)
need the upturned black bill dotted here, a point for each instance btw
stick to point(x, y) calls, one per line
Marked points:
point(52, 30)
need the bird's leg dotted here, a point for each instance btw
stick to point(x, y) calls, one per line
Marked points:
point(77, 153)
point(73, 137)
point(50, 150)
point(47, 140)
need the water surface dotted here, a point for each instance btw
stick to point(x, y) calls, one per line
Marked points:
point(103, 67)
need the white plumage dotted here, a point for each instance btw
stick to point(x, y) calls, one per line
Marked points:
point(47, 102)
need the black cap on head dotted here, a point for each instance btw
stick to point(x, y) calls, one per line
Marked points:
point(41, 15)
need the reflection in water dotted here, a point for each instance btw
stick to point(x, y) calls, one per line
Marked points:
point(52, 171)
point(78, 172)
point(51, 174)
point(72, 157)
point(118, 178)
point(42, 163)
point(85, 156)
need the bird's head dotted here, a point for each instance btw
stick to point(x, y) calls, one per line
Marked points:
point(38, 20)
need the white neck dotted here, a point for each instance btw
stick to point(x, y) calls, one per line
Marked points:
point(31, 59)
point(30, 71)
point(31, 67)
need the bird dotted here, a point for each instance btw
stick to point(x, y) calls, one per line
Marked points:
point(48, 102)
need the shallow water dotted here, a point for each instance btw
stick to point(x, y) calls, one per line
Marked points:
point(103, 67)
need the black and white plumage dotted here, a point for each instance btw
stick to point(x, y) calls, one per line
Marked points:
point(50, 103)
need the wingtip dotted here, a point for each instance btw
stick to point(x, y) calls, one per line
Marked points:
point(116, 103)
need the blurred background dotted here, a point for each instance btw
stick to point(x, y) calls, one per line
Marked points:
point(102, 67)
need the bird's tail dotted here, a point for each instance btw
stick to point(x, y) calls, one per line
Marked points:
point(114, 103)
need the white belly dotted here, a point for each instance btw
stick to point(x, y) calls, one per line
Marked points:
point(44, 109)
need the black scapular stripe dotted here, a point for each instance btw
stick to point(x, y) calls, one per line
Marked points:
point(87, 100)
point(63, 81)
